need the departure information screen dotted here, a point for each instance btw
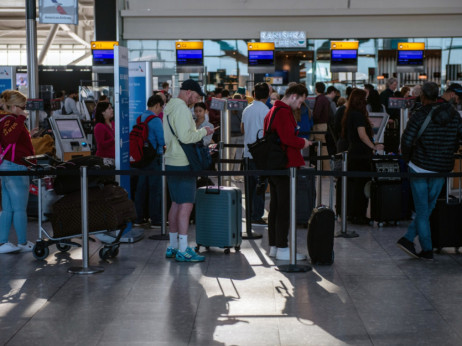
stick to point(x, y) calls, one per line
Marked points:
point(410, 57)
point(343, 56)
point(103, 57)
point(261, 57)
point(189, 57)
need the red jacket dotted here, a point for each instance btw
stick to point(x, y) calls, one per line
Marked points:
point(13, 130)
point(286, 127)
point(105, 140)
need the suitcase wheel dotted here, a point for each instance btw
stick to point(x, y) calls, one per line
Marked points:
point(63, 247)
point(108, 252)
point(227, 251)
point(40, 251)
point(237, 248)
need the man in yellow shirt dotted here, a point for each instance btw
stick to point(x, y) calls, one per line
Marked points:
point(178, 117)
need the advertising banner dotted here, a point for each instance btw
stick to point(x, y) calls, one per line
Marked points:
point(7, 78)
point(140, 85)
point(59, 12)
point(121, 107)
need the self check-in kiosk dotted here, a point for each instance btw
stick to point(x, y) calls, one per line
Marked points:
point(70, 139)
point(379, 122)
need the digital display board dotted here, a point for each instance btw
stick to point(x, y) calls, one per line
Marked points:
point(69, 128)
point(189, 57)
point(261, 58)
point(410, 57)
point(103, 57)
point(343, 57)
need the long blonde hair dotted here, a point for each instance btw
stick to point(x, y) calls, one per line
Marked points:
point(10, 98)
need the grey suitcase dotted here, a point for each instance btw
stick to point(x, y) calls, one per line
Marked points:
point(219, 217)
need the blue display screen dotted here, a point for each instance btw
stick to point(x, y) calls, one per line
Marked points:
point(261, 57)
point(189, 57)
point(103, 57)
point(410, 57)
point(343, 56)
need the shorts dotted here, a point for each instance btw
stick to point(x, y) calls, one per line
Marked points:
point(182, 188)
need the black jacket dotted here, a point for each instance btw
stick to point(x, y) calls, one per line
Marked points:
point(434, 150)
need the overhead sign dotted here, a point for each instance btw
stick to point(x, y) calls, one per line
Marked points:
point(260, 57)
point(59, 12)
point(7, 78)
point(260, 46)
point(103, 44)
point(189, 56)
point(284, 39)
point(411, 46)
point(344, 56)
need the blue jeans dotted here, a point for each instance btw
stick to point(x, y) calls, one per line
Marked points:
point(257, 201)
point(15, 195)
point(149, 188)
point(425, 192)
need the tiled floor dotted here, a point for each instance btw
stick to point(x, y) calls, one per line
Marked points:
point(374, 294)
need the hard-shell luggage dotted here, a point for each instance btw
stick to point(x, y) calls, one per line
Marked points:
point(391, 139)
point(386, 201)
point(321, 229)
point(219, 217)
point(109, 208)
point(446, 221)
point(305, 195)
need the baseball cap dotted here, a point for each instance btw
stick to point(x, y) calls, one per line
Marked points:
point(190, 84)
point(456, 87)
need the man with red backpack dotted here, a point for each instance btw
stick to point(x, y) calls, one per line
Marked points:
point(150, 186)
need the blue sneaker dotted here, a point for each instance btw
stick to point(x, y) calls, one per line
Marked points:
point(189, 256)
point(171, 252)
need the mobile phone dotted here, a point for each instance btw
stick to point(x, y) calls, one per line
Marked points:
point(216, 128)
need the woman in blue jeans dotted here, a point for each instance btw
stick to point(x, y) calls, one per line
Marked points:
point(15, 144)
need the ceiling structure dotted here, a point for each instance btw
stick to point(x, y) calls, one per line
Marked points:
point(13, 27)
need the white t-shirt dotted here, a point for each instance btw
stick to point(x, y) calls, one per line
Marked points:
point(253, 117)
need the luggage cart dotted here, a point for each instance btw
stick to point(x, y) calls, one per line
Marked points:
point(64, 244)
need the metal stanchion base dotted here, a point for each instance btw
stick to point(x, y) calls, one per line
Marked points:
point(252, 235)
point(160, 237)
point(294, 268)
point(347, 235)
point(84, 271)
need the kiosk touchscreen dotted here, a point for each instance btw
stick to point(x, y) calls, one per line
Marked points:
point(70, 138)
point(379, 122)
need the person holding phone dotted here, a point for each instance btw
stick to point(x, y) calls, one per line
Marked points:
point(200, 111)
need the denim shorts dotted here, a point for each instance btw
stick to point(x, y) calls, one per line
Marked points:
point(182, 188)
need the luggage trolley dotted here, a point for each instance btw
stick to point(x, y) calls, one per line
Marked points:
point(65, 243)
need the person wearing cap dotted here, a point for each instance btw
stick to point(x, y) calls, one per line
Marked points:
point(182, 188)
point(453, 94)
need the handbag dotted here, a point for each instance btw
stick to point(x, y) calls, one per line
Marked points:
point(422, 129)
point(197, 153)
point(267, 151)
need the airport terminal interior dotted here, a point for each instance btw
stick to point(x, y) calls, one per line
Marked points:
point(124, 291)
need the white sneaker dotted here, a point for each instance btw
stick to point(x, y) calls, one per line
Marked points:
point(9, 248)
point(283, 254)
point(26, 247)
point(273, 250)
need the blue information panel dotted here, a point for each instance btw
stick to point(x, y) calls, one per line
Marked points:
point(103, 57)
point(344, 56)
point(410, 57)
point(6, 78)
point(122, 115)
point(261, 57)
point(137, 84)
point(189, 57)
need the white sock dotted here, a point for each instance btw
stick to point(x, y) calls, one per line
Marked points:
point(173, 240)
point(183, 242)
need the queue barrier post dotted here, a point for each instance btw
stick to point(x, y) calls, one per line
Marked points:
point(248, 205)
point(85, 269)
point(344, 233)
point(319, 167)
point(163, 230)
point(293, 267)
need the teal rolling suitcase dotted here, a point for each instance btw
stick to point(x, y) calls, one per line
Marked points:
point(219, 217)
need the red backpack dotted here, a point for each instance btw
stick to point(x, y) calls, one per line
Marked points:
point(141, 150)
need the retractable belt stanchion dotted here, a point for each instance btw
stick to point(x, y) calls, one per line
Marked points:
point(163, 230)
point(85, 269)
point(319, 166)
point(293, 267)
point(248, 205)
point(344, 233)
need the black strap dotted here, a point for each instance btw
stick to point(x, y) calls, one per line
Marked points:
point(424, 125)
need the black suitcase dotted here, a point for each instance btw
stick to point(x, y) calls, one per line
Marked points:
point(446, 222)
point(321, 229)
point(305, 195)
point(391, 139)
point(386, 201)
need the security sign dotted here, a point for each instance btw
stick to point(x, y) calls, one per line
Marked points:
point(59, 12)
